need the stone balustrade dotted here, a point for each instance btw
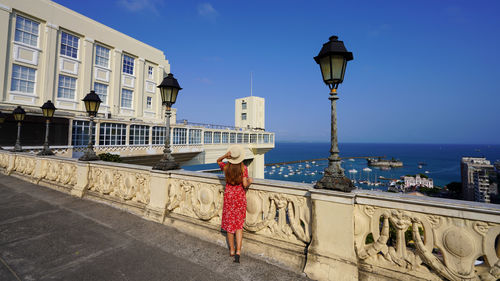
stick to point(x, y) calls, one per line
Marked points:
point(328, 235)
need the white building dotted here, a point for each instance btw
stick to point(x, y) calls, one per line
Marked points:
point(49, 52)
point(249, 112)
point(473, 185)
point(418, 181)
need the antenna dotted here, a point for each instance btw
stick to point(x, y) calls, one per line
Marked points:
point(251, 83)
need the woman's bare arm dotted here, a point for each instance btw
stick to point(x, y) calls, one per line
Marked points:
point(247, 182)
point(227, 155)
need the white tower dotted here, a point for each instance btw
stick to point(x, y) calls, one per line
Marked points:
point(249, 112)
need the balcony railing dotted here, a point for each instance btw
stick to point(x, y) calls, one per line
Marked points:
point(329, 235)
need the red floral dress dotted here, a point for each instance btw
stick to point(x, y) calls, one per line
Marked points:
point(234, 210)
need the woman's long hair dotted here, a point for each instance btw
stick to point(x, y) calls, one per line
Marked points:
point(233, 173)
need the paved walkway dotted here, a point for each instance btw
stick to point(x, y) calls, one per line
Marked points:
point(48, 235)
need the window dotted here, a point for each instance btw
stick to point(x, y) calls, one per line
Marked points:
point(179, 136)
point(207, 137)
point(67, 87)
point(271, 138)
point(80, 135)
point(159, 135)
point(225, 137)
point(101, 56)
point(150, 72)
point(112, 134)
point(243, 116)
point(69, 45)
point(266, 138)
point(260, 138)
point(126, 101)
point(245, 138)
point(139, 135)
point(149, 102)
point(102, 91)
point(216, 137)
point(194, 136)
point(244, 105)
point(240, 138)
point(232, 137)
point(253, 138)
point(26, 31)
point(23, 79)
point(128, 65)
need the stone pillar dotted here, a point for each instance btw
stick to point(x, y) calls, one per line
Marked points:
point(5, 19)
point(86, 69)
point(256, 168)
point(82, 179)
point(97, 126)
point(158, 198)
point(150, 136)
point(127, 135)
point(115, 82)
point(48, 67)
point(139, 88)
point(331, 254)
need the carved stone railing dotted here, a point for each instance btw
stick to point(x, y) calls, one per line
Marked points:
point(328, 235)
point(426, 239)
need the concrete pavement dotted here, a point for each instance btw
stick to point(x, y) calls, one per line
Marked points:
point(48, 235)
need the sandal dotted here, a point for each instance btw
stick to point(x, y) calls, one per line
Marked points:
point(237, 258)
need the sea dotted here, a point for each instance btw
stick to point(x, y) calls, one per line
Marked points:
point(441, 162)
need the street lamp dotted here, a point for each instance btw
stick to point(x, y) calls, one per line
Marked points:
point(19, 115)
point(2, 119)
point(333, 59)
point(92, 102)
point(169, 89)
point(48, 110)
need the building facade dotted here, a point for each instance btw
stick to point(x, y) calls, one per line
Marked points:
point(49, 52)
point(478, 179)
point(249, 112)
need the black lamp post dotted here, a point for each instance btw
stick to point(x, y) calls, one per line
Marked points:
point(19, 115)
point(169, 89)
point(333, 59)
point(92, 102)
point(2, 119)
point(48, 110)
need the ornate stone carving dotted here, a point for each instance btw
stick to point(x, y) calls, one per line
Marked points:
point(459, 242)
point(278, 215)
point(123, 184)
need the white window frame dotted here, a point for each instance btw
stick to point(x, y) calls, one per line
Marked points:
point(112, 134)
point(149, 102)
point(72, 91)
point(158, 135)
point(97, 46)
point(179, 136)
point(139, 135)
point(21, 80)
point(101, 94)
point(124, 62)
point(30, 33)
point(68, 46)
point(150, 72)
point(131, 98)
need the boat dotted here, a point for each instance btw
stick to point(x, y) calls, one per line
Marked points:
point(426, 172)
point(420, 166)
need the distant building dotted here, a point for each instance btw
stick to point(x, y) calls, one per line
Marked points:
point(249, 113)
point(417, 181)
point(479, 179)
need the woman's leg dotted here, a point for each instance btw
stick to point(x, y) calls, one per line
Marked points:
point(230, 240)
point(239, 240)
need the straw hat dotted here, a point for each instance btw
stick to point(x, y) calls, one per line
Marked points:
point(237, 154)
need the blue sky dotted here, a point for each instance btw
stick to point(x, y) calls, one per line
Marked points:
point(423, 71)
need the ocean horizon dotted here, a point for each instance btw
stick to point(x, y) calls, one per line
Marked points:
point(441, 161)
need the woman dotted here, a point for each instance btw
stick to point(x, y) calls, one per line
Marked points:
point(235, 201)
